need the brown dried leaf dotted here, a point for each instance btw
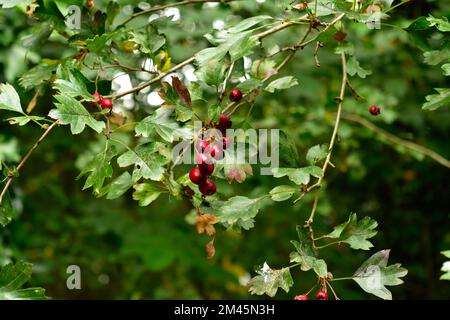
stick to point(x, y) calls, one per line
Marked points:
point(205, 223)
point(182, 91)
point(118, 119)
point(210, 249)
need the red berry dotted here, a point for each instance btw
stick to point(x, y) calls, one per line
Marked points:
point(97, 97)
point(375, 110)
point(216, 151)
point(226, 142)
point(207, 169)
point(201, 145)
point(301, 297)
point(106, 103)
point(224, 123)
point(196, 175)
point(202, 159)
point(321, 295)
point(235, 95)
point(208, 187)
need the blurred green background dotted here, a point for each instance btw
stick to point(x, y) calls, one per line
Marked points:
point(131, 252)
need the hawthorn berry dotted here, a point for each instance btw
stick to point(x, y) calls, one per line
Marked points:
point(201, 145)
point(321, 295)
point(375, 110)
point(207, 169)
point(226, 142)
point(224, 122)
point(106, 103)
point(301, 297)
point(197, 176)
point(97, 97)
point(216, 151)
point(208, 187)
point(202, 158)
point(235, 95)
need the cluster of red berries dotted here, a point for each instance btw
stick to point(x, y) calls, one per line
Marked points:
point(106, 103)
point(375, 110)
point(209, 150)
point(320, 295)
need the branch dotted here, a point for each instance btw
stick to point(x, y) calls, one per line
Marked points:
point(333, 135)
point(25, 159)
point(170, 5)
point(396, 140)
point(261, 35)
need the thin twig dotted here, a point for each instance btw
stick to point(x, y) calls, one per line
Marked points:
point(170, 5)
point(335, 131)
point(396, 140)
point(261, 35)
point(25, 159)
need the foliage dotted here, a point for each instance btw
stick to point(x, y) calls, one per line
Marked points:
point(303, 69)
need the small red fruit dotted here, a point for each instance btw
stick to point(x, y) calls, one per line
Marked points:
point(202, 159)
point(201, 145)
point(208, 187)
point(235, 95)
point(224, 123)
point(216, 151)
point(106, 103)
point(226, 142)
point(321, 295)
point(97, 97)
point(375, 110)
point(207, 169)
point(301, 297)
point(196, 175)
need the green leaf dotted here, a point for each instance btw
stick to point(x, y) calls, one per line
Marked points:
point(446, 68)
point(161, 123)
point(98, 42)
point(12, 3)
point(281, 84)
point(214, 112)
point(374, 274)
point(212, 72)
point(12, 278)
point(249, 85)
point(436, 56)
point(355, 232)
point(73, 87)
point(71, 111)
point(282, 193)
point(37, 75)
point(23, 120)
point(287, 150)
point(298, 176)
point(99, 169)
point(38, 36)
point(269, 280)
point(441, 24)
point(353, 68)
point(148, 42)
point(436, 101)
point(305, 253)
point(147, 192)
point(7, 211)
point(118, 186)
point(246, 24)
point(238, 212)
point(9, 98)
point(317, 153)
point(148, 163)
point(446, 266)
